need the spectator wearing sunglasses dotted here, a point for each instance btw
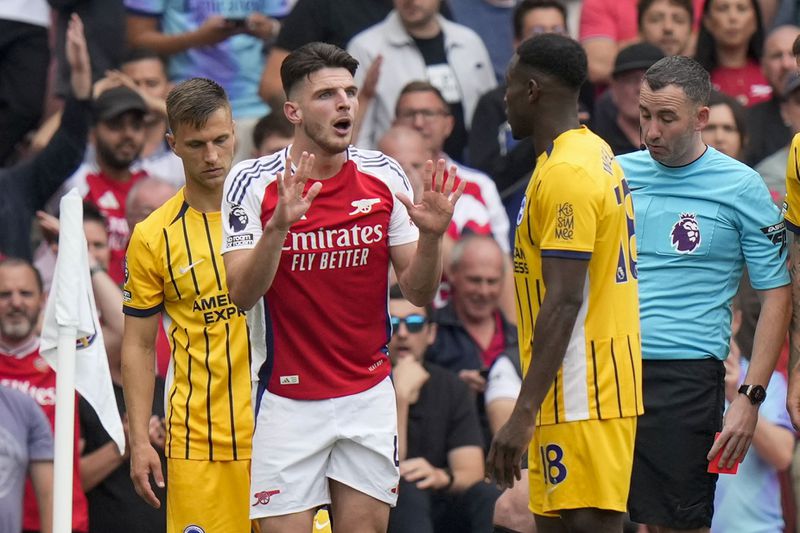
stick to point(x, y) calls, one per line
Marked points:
point(440, 446)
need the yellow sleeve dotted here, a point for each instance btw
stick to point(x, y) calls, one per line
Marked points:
point(568, 212)
point(143, 290)
point(792, 202)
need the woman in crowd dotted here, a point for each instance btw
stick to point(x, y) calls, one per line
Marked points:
point(726, 129)
point(729, 47)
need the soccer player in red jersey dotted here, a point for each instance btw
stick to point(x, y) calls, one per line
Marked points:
point(308, 250)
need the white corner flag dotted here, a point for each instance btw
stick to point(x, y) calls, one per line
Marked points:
point(72, 343)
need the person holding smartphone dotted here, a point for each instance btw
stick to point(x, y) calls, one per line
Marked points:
point(213, 40)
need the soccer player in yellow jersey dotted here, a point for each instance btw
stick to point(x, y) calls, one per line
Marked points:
point(791, 207)
point(174, 268)
point(578, 315)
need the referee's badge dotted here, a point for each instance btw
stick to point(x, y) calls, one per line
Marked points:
point(686, 233)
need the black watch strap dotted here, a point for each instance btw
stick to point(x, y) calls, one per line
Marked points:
point(755, 393)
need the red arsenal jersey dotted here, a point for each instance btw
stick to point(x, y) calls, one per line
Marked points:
point(109, 196)
point(323, 326)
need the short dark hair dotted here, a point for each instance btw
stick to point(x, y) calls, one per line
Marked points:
point(194, 101)
point(133, 55)
point(683, 72)
point(421, 86)
point(275, 123)
point(312, 57)
point(644, 5)
point(396, 293)
point(706, 53)
point(526, 6)
point(555, 55)
point(738, 111)
point(92, 214)
point(19, 261)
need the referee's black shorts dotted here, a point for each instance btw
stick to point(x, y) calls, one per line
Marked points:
point(683, 406)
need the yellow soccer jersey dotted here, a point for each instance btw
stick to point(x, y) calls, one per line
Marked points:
point(173, 265)
point(791, 205)
point(578, 205)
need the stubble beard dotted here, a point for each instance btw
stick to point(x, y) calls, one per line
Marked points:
point(326, 141)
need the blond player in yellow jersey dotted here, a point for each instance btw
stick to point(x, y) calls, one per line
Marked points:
point(174, 269)
point(578, 314)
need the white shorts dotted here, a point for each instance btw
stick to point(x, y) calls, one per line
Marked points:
point(299, 444)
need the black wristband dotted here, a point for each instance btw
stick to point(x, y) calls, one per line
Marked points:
point(449, 477)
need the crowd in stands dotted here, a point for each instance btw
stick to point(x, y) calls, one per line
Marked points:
point(82, 105)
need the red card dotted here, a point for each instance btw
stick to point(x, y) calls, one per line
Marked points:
point(714, 466)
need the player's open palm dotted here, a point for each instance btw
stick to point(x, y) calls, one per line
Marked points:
point(293, 201)
point(439, 196)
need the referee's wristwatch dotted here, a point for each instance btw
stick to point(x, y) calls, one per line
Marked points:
point(755, 393)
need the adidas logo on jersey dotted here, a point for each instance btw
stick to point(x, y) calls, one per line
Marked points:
point(290, 380)
point(108, 201)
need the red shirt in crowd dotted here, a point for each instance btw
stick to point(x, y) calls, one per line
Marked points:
point(26, 371)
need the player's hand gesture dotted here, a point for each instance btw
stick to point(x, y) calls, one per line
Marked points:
point(145, 462)
point(510, 442)
point(293, 202)
point(439, 196)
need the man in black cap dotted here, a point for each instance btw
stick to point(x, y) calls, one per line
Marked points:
point(104, 180)
point(616, 117)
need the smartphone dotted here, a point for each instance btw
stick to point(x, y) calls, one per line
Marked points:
point(236, 22)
